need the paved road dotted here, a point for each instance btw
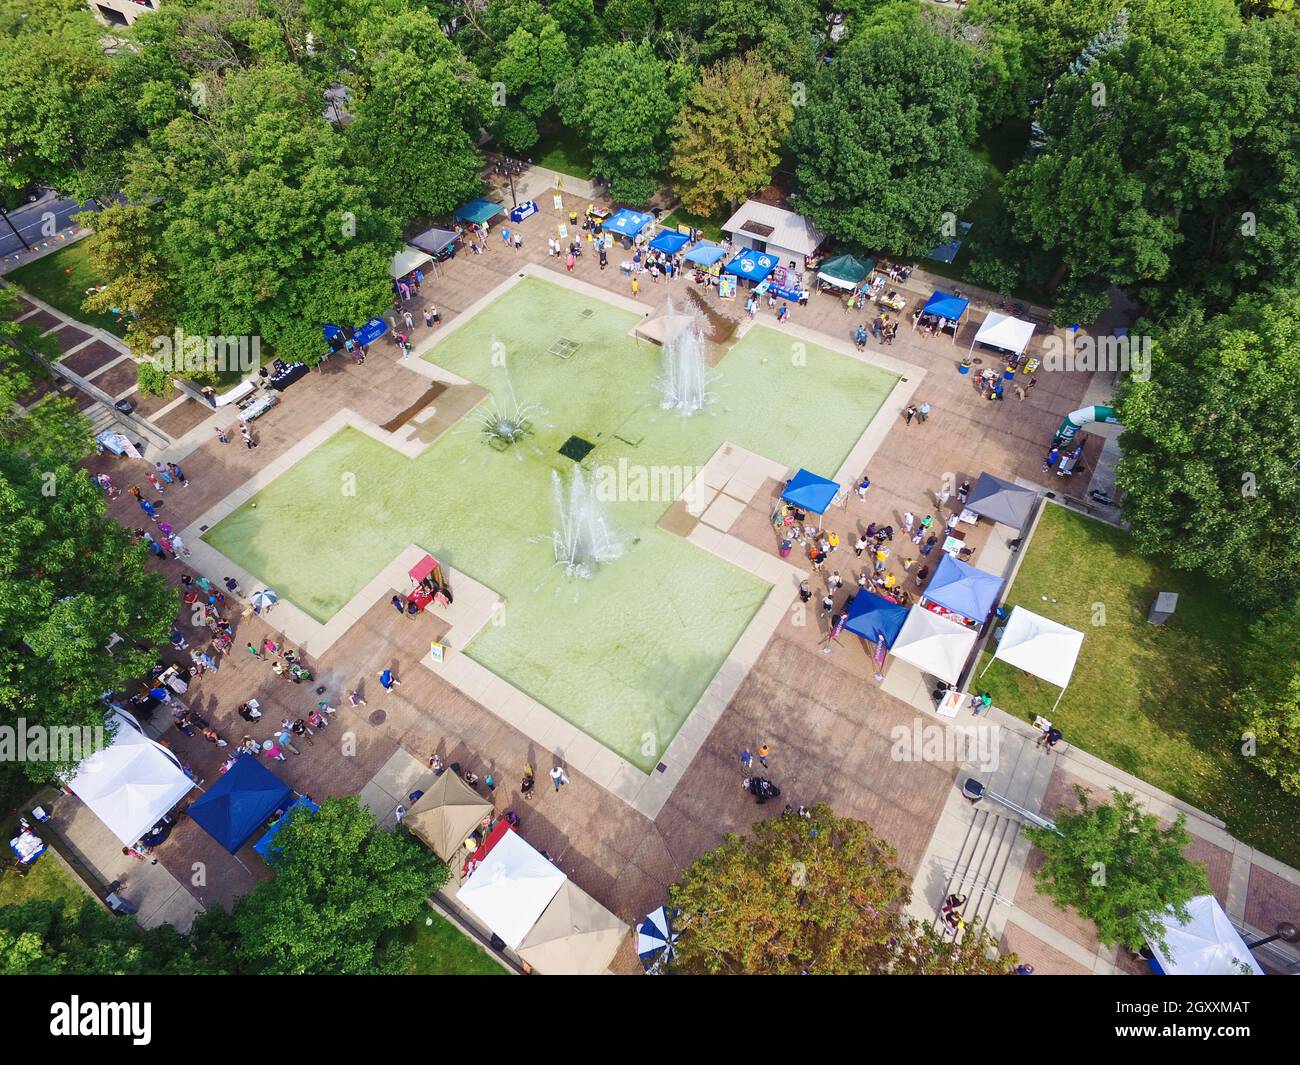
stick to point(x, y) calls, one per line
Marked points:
point(30, 218)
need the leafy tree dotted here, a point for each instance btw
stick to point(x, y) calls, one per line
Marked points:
point(1118, 867)
point(820, 895)
point(782, 32)
point(1267, 702)
point(266, 225)
point(728, 136)
point(1210, 444)
point(342, 892)
point(534, 60)
point(624, 99)
point(55, 938)
point(883, 142)
point(69, 579)
point(416, 125)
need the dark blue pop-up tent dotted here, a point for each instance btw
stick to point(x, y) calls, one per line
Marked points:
point(753, 265)
point(366, 334)
point(872, 616)
point(266, 845)
point(963, 589)
point(705, 254)
point(810, 492)
point(949, 308)
point(670, 242)
point(628, 223)
point(234, 808)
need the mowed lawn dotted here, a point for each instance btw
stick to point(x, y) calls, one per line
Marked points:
point(47, 881)
point(1151, 702)
point(439, 948)
point(61, 280)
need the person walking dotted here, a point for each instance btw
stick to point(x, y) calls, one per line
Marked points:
point(908, 519)
point(909, 414)
point(805, 592)
point(1049, 739)
point(923, 411)
point(388, 681)
point(398, 605)
point(828, 604)
point(179, 474)
point(636, 288)
point(222, 438)
point(963, 491)
point(148, 508)
point(505, 235)
point(355, 699)
point(164, 473)
point(569, 261)
point(256, 652)
point(859, 546)
point(558, 777)
point(519, 240)
point(863, 486)
point(763, 752)
point(746, 759)
point(834, 582)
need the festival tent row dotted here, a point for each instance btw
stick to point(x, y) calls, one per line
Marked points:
point(240, 803)
point(1002, 502)
point(845, 271)
point(408, 260)
point(752, 265)
point(1040, 646)
point(131, 783)
point(811, 492)
point(961, 589)
point(628, 223)
point(1004, 332)
point(669, 241)
point(447, 812)
point(1206, 944)
point(532, 907)
point(705, 254)
point(478, 212)
point(947, 309)
point(934, 645)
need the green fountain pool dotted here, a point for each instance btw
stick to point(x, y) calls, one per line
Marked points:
point(626, 655)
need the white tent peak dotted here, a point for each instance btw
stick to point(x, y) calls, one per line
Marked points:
point(1206, 944)
point(511, 888)
point(934, 644)
point(1004, 332)
point(1040, 646)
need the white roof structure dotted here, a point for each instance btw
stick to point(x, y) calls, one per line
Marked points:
point(1206, 945)
point(576, 936)
point(933, 644)
point(131, 783)
point(409, 259)
point(1003, 331)
point(774, 225)
point(1040, 646)
point(511, 888)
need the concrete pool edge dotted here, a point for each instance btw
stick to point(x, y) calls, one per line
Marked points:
point(731, 466)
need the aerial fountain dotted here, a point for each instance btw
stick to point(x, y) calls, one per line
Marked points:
point(683, 385)
point(584, 537)
point(504, 421)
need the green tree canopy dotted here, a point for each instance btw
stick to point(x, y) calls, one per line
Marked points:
point(1210, 444)
point(624, 99)
point(821, 895)
point(1118, 867)
point(883, 142)
point(728, 137)
point(1267, 699)
point(343, 890)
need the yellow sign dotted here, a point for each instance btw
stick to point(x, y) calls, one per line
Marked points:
point(437, 651)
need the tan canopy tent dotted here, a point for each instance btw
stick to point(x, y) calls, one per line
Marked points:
point(446, 813)
point(575, 936)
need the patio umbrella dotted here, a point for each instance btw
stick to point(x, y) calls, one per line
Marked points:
point(265, 599)
point(655, 940)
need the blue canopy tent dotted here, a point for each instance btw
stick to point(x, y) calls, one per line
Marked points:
point(753, 265)
point(265, 846)
point(480, 212)
point(366, 334)
point(872, 616)
point(234, 808)
point(810, 492)
point(963, 589)
point(948, 308)
point(669, 241)
point(705, 254)
point(628, 223)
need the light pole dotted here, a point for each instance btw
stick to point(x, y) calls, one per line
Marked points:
point(1286, 931)
point(5, 215)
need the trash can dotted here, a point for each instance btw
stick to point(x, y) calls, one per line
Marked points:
point(124, 406)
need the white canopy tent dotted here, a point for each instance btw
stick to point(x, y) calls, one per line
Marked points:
point(933, 644)
point(409, 259)
point(1205, 945)
point(1040, 646)
point(511, 888)
point(131, 783)
point(1004, 332)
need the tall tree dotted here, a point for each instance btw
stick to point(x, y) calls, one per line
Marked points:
point(1118, 866)
point(57, 938)
point(819, 895)
point(69, 580)
point(1267, 699)
point(416, 125)
point(883, 141)
point(785, 33)
point(534, 59)
point(728, 137)
point(1210, 443)
point(624, 99)
point(343, 890)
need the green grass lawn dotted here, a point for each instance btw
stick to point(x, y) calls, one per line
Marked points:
point(47, 880)
point(710, 227)
point(563, 150)
point(1151, 702)
point(61, 280)
point(441, 949)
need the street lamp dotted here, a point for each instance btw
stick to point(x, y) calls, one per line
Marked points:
point(1286, 931)
point(5, 215)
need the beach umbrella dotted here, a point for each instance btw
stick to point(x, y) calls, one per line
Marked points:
point(265, 599)
point(655, 940)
